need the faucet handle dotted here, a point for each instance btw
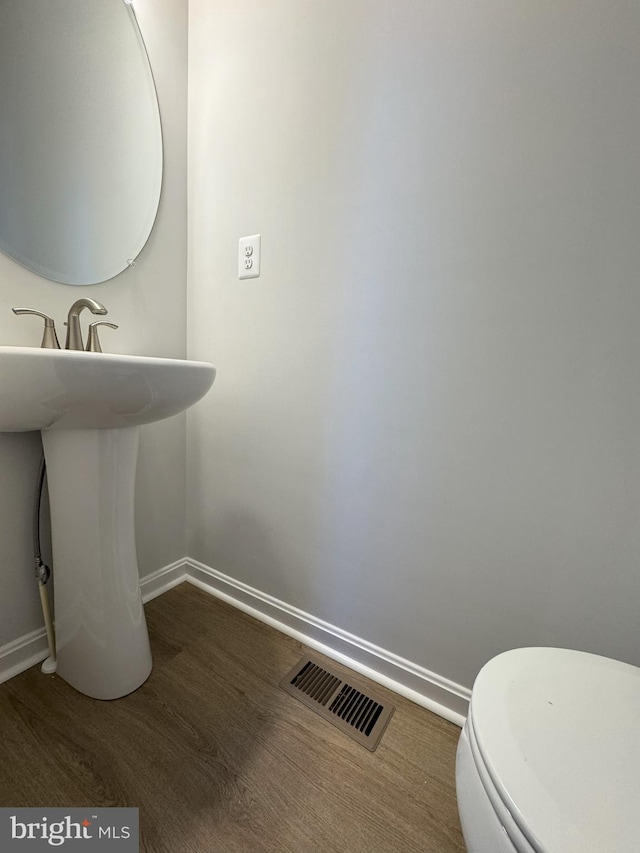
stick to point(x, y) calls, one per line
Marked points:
point(49, 337)
point(93, 342)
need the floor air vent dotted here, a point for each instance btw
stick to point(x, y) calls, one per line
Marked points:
point(347, 705)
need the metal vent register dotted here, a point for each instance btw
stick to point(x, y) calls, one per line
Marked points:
point(347, 706)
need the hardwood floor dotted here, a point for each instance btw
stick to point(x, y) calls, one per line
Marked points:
point(219, 759)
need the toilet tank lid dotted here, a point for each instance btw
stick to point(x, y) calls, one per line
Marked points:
point(559, 733)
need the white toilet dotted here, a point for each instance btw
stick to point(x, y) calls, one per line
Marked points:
point(549, 757)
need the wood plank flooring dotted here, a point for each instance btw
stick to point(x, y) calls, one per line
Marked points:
point(219, 759)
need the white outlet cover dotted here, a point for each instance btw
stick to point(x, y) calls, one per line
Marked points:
point(249, 257)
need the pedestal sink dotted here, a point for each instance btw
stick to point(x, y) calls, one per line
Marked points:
point(89, 408)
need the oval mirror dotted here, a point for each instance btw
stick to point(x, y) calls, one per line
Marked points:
point(80, 138)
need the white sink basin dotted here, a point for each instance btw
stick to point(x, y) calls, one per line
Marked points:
point(67, 389)
point(89, 408)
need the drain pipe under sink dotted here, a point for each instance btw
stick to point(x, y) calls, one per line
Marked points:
point(43, 573)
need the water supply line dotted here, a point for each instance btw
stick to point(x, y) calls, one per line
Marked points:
point(43, 573)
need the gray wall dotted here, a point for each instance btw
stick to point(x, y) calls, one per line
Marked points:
point(426, 420)
point(149, 304)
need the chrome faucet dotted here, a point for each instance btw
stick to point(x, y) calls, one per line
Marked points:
point(74, 332)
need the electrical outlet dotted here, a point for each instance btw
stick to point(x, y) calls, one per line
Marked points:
point(249, 257)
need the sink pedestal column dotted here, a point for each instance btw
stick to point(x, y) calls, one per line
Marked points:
point(101, 631)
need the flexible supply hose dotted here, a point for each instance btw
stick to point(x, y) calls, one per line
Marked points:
point(43, 573)
point(42, 470)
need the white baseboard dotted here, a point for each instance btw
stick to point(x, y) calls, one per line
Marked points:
point(432, 691)
point(23, 653)
point(420, 685)
point(163, 580)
